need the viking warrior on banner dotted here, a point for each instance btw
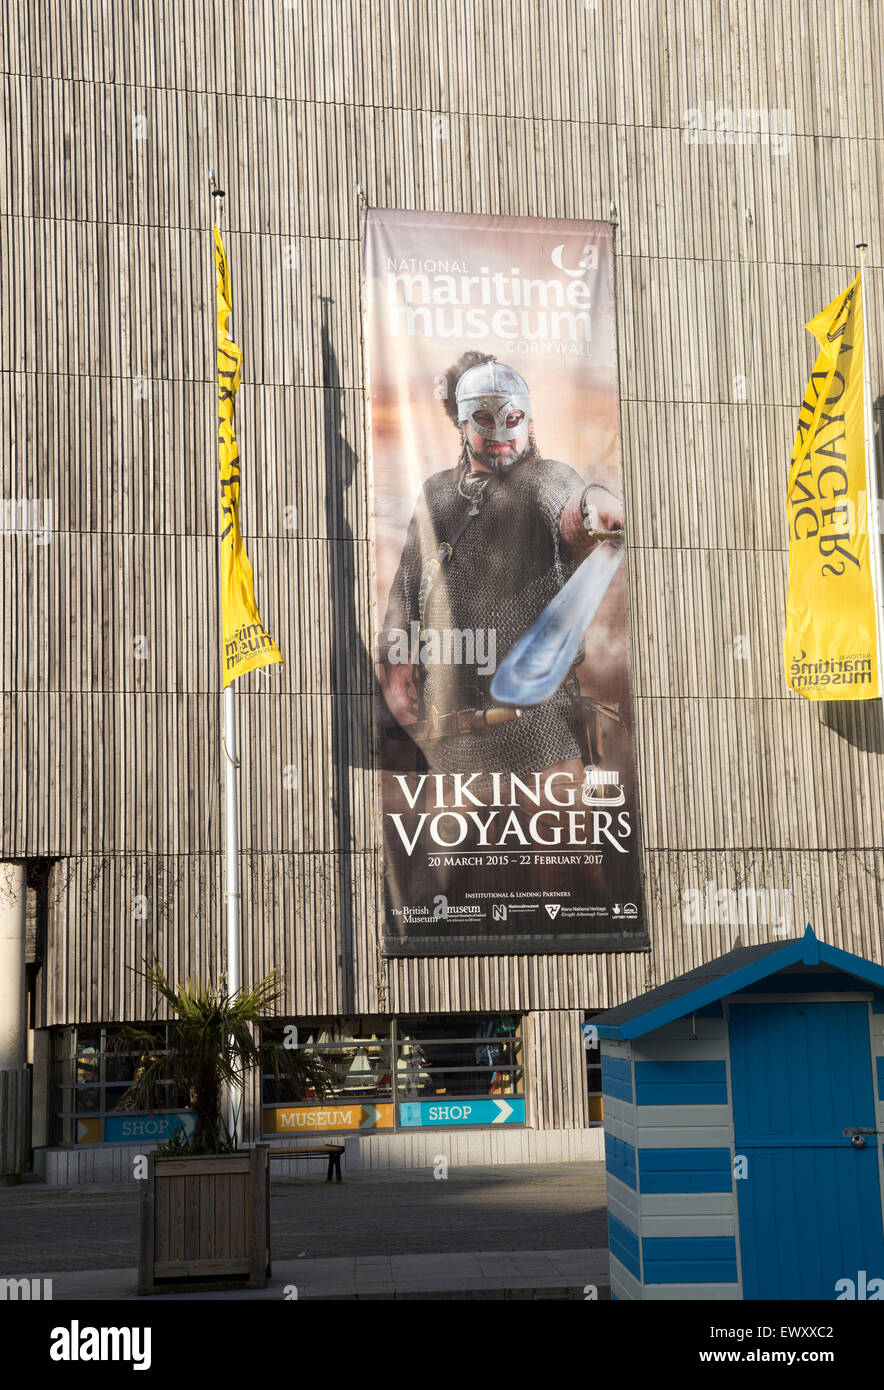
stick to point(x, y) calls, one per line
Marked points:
point(483, 633)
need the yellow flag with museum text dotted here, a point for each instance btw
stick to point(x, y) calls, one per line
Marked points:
point(246, 642)
point(830, 648)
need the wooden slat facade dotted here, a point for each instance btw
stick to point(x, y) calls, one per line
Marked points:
point(111, 751)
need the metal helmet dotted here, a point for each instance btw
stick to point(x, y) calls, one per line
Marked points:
point(497, 389)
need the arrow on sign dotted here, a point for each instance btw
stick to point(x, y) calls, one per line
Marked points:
point(370, 1117)
point(505, 1112)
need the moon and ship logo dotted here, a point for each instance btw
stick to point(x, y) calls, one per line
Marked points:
point(589, 260)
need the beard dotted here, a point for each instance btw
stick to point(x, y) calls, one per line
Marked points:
point(502, 463)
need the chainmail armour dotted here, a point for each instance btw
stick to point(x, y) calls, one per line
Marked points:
point(506, 567)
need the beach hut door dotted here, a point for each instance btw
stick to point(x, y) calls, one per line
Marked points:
point(810, 1201)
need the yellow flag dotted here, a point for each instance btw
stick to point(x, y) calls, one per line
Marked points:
point(831, 648)
point(247, 644)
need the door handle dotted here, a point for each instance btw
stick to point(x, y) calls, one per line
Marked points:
point(857, 1136)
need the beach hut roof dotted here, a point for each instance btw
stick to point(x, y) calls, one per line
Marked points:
point(737, 970)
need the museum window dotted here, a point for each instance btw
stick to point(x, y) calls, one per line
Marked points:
point(93, 1068)
point(394, 1062)
point(356, 1050)
point(459, 1055)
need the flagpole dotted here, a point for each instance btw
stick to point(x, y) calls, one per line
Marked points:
point(874, 528)
point(232, 883)
point(232, 891)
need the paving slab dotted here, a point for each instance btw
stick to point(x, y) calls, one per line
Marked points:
point(464, 1273)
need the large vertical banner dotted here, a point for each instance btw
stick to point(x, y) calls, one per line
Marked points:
point(831, 647)
point(504, 707)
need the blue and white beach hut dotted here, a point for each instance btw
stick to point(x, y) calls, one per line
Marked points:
point(743, 1103)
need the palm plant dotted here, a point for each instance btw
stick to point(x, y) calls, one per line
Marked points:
point(212, 1046)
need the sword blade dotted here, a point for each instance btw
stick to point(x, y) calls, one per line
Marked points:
point(535, 667)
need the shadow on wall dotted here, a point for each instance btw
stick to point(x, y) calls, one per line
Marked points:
point(351, 669)
point(860, 722)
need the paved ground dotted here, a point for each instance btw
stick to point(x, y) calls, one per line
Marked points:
point(519, 1274)
point(557, 1207)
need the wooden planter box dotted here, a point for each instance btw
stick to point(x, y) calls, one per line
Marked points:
point(205, 1222)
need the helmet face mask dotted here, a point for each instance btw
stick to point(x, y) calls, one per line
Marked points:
point(488, 396)
point(491, 419)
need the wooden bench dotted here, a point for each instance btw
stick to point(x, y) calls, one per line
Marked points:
point(330, 1151)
